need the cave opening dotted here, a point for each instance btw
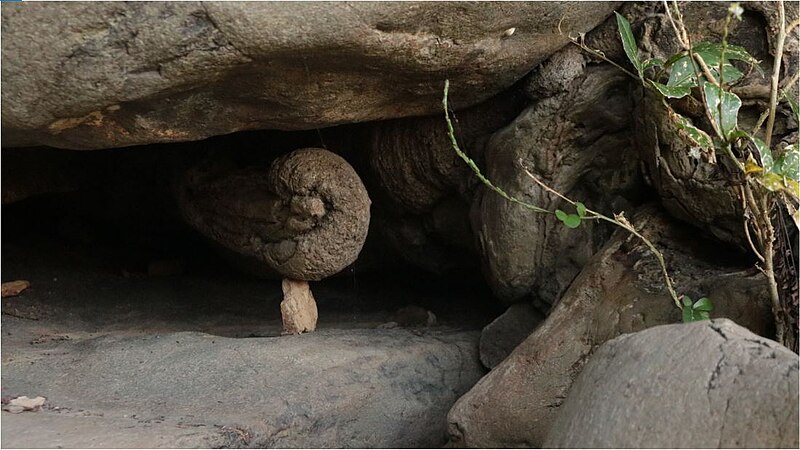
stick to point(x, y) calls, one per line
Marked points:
point(99, 237)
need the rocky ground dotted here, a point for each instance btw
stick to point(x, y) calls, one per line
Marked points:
point(195, 358)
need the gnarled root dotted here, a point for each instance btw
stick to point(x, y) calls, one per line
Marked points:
point(306, 217)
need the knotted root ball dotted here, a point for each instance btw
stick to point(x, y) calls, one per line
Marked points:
point(305, 217)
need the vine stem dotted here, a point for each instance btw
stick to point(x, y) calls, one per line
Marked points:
point(776, 73)
point(473, 166)
point(624, 224)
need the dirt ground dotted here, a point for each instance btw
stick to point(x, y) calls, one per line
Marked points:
point(84, 334)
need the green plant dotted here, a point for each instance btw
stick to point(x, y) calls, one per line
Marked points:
point(770, 175)
point(694, 311)
point(706, 70)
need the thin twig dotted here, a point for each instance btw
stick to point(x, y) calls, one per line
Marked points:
point(602, 56)
point(776, 73)
point(769, 271)
point(546, 187)
point(760, 122)
point(684, 44)
point(791, 81)
point(591, 214)
point(747, 227)
point(473, 166)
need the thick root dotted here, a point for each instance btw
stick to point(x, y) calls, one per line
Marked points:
point(306, 217)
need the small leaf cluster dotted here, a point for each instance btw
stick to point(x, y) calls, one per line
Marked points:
point(572, 220)
point(684, 74)
point(694, 311)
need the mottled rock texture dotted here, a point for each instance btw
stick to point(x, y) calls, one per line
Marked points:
point(333, 388)
point(501, 337)
point(120, 74)
point(709, 384)
point(619, 291)
point(305, 217)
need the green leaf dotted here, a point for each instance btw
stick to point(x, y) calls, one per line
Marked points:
point(629, 42)
point(688, 315)
point(682, 73)
point(572, 221)
point(687, 301)
point(729, 73)
point(702, 315)
point(695, 136)
point(562, 216)
point(671, 91)
point(653, 62)
point(723, 106)
point(711, 51)
point(581, 208)
point(772, 181)
point(788, 164)
point(703, 304)
point(674, 58)
point(767, 161)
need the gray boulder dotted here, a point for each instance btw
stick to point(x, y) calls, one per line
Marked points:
point(709, 384)
point(332, 388)
point(619, 291)
point(501, 337)
point(99, 75)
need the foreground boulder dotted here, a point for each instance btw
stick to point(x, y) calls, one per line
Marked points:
point(112, 75)
point(709, 384)
point(334, 388)
point(619, 291)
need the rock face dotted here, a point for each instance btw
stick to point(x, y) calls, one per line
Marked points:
point(425, 189)
point(576, 139)
point(709, 384)
point(111, 75)
point(501, 337)
point(306, 217)
point(298, 308)
point(619, 291)
point(332, 388)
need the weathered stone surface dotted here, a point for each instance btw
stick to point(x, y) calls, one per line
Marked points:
point(306, 217)
point(709, 384)
point(501, 337)
point(425, 189)
point(332, 388)
point(298, 308)
point(116, 74)
point(620, 291)
point(577, 140)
